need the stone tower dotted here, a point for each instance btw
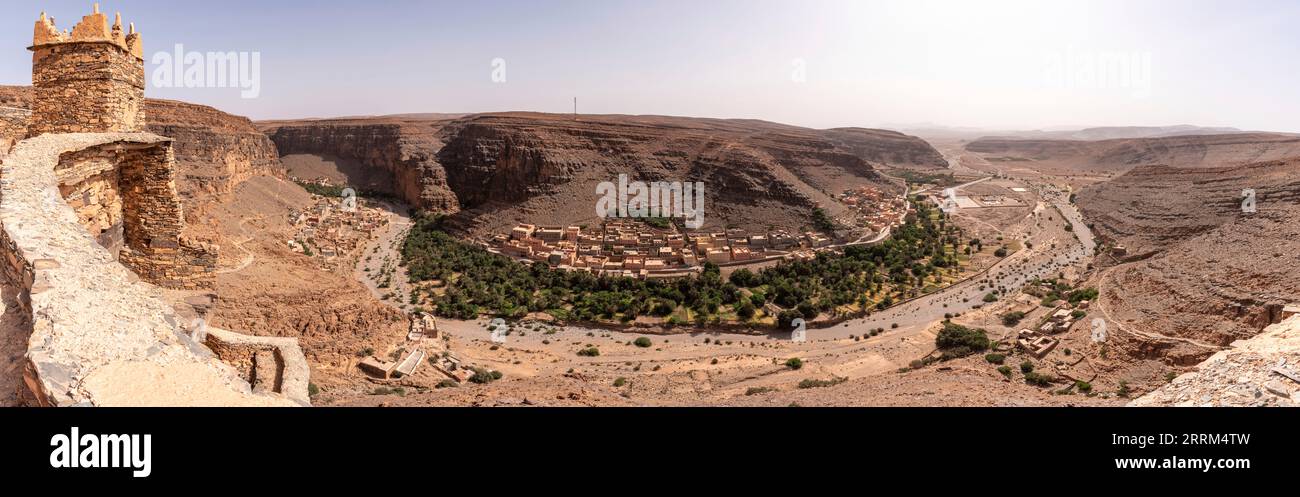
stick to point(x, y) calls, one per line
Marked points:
point(90, 80)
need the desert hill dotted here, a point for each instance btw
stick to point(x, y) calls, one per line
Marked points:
point(1152, 207)
point(1202, 272)
point(498, 169)
point(1052, 156)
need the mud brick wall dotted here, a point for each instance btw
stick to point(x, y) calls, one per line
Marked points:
point(86, 87)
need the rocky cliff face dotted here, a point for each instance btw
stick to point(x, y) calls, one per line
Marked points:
point(545, 167)
point(214, 150)
point(1241, 376)
point(394, 155)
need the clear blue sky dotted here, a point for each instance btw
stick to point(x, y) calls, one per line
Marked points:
point(994, 64)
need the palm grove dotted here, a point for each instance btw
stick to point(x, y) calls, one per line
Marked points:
point(463, 281)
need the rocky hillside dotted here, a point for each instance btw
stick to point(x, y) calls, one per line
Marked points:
point(1203, 273)
point(545, 167)
point(215, 151)
point(1118, 156)
point(1152, 207)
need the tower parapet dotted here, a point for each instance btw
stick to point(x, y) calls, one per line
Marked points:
point(88, 80)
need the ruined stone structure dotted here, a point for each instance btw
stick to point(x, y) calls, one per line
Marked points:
point(89, 209)
point(91, 80)
point(125, 196)
point(88, 81)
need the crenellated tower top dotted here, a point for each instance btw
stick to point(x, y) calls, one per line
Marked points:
point(93, 28)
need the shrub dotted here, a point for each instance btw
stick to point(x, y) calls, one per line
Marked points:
point(483, 376)
point(1083, 294)
point(959, 341)
point(620, 381)
point(990, 297)
point(1083, 386)
point(1005, 370)
point(589, 352)
point(1000, 252)
point(1012, 318)
point(312, 390)
point(995, 358)
point(811, 383)
point(642, 342)
point(794, 363)
point(448, 383)
point(746, 310)
point(1026, 367)
point(758, 390)
point(1038, 380)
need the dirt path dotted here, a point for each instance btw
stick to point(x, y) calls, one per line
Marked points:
point(249, 257)
point(1154, 337)
point(379, 261)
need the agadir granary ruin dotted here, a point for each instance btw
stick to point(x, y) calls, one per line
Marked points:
point(92, 221)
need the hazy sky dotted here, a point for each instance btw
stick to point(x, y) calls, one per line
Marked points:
point(994, 64)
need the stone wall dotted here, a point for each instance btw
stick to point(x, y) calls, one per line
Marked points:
point(125, 196)
point(269, 364)
point(86, 87)
point(13, 127)
point(88, 81)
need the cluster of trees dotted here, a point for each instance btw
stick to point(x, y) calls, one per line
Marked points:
point(479, 282)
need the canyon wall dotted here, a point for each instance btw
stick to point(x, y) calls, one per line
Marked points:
point(395, 156)
point(497, 169)
point(215, 151)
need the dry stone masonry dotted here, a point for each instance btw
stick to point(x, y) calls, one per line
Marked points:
point(89, 208)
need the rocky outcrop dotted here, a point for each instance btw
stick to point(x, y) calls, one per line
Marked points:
point(1255, 372)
